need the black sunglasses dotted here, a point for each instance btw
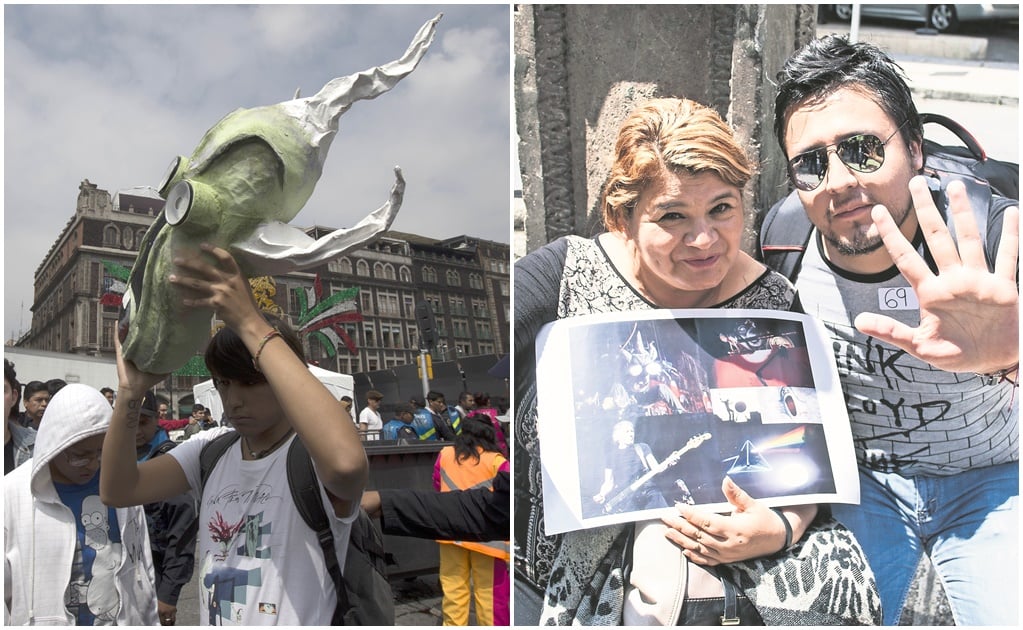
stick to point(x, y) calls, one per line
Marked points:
point(863, 153)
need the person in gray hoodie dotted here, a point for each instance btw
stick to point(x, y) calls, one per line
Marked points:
point(69, 559)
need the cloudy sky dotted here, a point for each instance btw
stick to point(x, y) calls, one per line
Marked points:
point(112, 93)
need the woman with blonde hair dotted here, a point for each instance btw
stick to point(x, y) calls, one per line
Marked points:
point(674, 214)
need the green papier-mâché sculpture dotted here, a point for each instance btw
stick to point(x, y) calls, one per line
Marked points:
point(251, 173)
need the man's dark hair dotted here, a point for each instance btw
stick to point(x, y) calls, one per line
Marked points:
point(105, 390)
point(54, 385)
point(477, 433)
point(433, 395)
point(10, 375)
point(417, 402)
point(198, 407)
point(149, 406)
point(34, 387)
point(12, 381)
point(463, 396)
point(401, 408)
point(347, 399)
point(830, 63)
point(227, 355)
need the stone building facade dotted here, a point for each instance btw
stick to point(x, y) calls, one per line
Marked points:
point(464, 278)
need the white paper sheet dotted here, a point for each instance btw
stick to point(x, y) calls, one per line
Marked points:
point(749, 394)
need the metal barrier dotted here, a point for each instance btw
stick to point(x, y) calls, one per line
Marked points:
point(393, 465)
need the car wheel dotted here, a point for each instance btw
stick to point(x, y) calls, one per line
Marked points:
point(942, 18)
point(842, 11)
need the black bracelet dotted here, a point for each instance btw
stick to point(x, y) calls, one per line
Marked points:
point(788, 529)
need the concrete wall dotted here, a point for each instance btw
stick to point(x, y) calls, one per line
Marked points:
point(579, 70)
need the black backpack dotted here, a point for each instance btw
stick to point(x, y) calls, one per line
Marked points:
point(406, 434)
point(364, 596)
point(786, 230)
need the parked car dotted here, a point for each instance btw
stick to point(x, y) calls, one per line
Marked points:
point(944, 18)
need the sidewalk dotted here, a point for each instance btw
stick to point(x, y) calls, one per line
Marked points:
point(952, 81)
point(946, 67)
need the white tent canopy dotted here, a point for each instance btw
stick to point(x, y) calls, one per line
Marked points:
point(337, 384)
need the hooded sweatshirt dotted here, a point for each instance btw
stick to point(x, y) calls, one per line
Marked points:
point(40, 532)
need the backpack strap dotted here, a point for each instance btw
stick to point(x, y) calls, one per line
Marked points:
point(305, 491)
point(211, 454)
point(163, 448)
point(784, 235)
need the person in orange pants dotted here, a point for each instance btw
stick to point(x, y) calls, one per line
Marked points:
point(478, 569)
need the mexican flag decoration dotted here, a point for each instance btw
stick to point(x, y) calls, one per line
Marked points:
point(115, 283)
point(323, 318)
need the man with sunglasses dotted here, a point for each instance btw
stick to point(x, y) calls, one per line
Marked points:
point(69, 559)
point(925, 331)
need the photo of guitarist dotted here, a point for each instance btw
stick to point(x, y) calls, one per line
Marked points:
point(629, 462)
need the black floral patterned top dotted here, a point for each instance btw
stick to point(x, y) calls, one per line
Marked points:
point(574, 276)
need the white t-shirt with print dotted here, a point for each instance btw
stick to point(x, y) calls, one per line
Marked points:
point(259, 563)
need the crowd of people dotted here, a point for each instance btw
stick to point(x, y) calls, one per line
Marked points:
point(104, 499)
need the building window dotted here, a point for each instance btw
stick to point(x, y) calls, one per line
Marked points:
point(483, 330)
point(410, 305)
point(387, 302)
point(346, 266)
point(429, 275)
point(475, 281)
point(460, 327)
point(369, 334)
point(93, 323)
point(366, 302)
point(504, 288)
point(390, 336)
point(110, 235)
point(294, 305)
point(457, 305)
point(109, 325)
point(479, 309)
point(140, 236)
point(404, 274)
point(453, 278)
point(486, 348)
point(362, 268)
point(435, 303)
point(97, 278)
point(128, 239)
point(378, 270)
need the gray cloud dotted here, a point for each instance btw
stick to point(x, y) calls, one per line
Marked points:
point(112, 93)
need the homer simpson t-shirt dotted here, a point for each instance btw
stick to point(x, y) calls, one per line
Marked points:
point(91, 596)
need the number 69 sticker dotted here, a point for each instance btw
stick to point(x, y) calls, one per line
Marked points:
point(897, 299)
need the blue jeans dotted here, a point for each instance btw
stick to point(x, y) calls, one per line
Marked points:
point(967, 523)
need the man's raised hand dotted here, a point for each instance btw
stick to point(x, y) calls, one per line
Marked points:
point(969, 317)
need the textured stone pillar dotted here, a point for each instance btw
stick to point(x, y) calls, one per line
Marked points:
point(579, 70)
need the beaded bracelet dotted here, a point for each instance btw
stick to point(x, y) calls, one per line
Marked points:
point(270, 335)
point(788, 529)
